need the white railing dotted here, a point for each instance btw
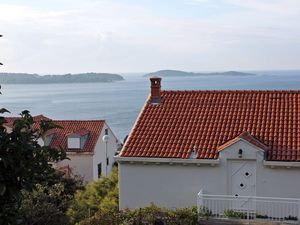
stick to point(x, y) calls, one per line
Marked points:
point(249, 207)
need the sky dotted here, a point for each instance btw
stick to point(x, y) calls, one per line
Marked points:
point(123, 36)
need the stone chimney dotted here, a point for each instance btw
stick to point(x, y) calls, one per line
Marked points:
point(155, 89)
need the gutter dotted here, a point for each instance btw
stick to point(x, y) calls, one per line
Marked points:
point(285, 164)
point(144, 160)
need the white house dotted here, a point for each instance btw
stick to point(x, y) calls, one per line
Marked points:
point(90, 146)
point(231, 143)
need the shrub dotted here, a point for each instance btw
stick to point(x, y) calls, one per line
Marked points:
point(233, 214)
point(88, 201)
point(149, 215)
point(185, 216)
point(104, 217)
point(48, 203)
point(205, 213)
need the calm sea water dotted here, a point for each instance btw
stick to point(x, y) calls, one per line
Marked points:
point(120, 103)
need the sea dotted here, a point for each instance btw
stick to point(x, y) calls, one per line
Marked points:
point(119, 103)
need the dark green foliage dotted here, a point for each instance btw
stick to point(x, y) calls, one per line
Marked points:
point(23, 163)
point(48, 203)
point(150, 215)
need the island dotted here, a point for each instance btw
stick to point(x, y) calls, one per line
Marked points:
point(178, 73)
point(26, 78)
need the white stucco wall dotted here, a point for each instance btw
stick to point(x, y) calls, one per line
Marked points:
point(80, 164)
point(100, 152)
point(279, 182)
point(177, 185)
point(166, 185)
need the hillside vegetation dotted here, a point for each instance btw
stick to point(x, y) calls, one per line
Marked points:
point(25, 78)
point(178, 73)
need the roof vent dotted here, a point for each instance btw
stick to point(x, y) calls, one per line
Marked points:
point(155, 89)
point(194, 153)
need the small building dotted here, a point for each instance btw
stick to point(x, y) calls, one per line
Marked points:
point(227, 142)
point(90, 146)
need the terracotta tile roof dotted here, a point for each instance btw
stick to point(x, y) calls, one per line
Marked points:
point(81, 127)
point(246, 136)
point(80, 132)
point(93, 127)
point(209, 119)
point(37, 119)
point(10, 121)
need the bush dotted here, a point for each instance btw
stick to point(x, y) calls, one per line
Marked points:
point(150, 215)
point(88, 201)
point(205, 213)
point(104, 217)
point(185, 216)
point(234, 214)
point(48, 203)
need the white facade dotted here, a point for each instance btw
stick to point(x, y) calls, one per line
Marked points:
point(176, 182)
point(85, 164)
point(80, 164)
point(103, 150)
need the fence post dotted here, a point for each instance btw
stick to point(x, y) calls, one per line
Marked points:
point(248, 209)
point(298, 211)
point(200, 199)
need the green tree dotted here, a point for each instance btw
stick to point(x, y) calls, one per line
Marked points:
point(23, 162)
point(49, 201)
point(96, 195)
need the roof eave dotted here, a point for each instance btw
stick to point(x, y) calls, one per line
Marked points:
point(286, 164)
point(145, 160)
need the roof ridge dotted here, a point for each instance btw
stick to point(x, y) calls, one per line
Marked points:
point(298, 133)
point(78, 120)
point(235, 91)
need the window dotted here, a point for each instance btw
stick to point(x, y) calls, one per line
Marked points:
point(106, 131)
point(48, 139)
point(74, 142)
point(99, 170)
point(107, 161)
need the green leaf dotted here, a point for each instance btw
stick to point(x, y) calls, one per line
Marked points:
point(3, 110)
point(2, 189)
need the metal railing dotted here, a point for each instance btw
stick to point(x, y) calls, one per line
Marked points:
point(249, 207)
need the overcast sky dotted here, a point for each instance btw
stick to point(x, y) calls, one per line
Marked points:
point(71, 36)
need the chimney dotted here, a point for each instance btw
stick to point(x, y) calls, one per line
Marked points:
point(155, 89)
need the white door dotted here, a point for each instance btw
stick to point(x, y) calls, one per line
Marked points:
point(242, 175)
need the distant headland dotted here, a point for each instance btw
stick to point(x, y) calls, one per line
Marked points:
point(178, 73)
point(26, 78)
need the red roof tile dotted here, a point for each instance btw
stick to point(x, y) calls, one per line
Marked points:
point(91, 127)
point(80, 132)
point(81, 127)
point(209, 119)
point(246, 136)
point(36, 119)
